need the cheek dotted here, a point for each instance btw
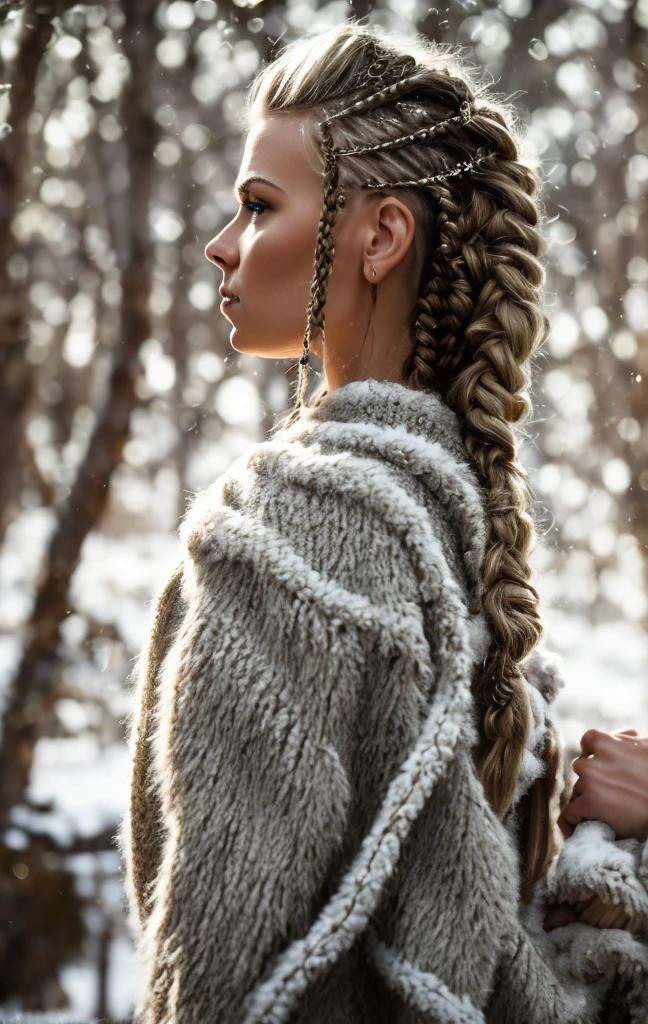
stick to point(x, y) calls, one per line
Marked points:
point(279, 262)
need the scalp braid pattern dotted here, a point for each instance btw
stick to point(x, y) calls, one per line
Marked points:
point(477, 322)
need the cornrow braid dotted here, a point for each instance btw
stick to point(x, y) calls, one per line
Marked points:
point(445, 305)
point(476, 325)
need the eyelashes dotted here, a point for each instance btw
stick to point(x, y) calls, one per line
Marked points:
point(252, 204)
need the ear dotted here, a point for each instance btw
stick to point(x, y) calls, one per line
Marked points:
point(390, 235)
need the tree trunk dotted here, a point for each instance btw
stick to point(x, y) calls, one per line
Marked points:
point(16, 375)
point(32, 692)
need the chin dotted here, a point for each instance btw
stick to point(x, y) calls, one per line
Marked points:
point(265, 349)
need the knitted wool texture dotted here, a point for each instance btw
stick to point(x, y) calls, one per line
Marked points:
point(307, 838)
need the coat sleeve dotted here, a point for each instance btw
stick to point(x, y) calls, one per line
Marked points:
point(259, 703)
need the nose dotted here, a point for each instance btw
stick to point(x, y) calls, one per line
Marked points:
point(221, 251)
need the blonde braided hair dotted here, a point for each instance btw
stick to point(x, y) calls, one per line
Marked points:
point(477, 324)
point(324, 252)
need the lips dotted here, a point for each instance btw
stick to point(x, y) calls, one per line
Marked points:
point(225, 294)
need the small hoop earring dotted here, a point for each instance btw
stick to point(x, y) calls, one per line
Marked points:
point(373, 271)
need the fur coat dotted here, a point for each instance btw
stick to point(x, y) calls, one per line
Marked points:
point(307, 840)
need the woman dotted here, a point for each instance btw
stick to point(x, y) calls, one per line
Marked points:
point(345, 776)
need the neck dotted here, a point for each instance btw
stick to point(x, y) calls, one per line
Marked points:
point(372, 345)
point(386, 364)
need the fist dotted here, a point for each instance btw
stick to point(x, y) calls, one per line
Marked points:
point(612, 784)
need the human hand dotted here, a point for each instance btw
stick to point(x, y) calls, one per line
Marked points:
point(612, 784)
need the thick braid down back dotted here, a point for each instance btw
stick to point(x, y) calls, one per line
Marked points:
point(478, 327)
point(432, 132)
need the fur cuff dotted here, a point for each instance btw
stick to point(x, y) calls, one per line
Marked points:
point(605, 876)
point(610, 961)
point(603, 957)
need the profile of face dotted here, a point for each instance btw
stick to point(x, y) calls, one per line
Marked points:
point(266, 253)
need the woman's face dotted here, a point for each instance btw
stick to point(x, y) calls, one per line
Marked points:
point(267, 251)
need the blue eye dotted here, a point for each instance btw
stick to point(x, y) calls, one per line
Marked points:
point(252, 204)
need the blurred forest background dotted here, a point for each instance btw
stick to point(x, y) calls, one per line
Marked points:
point(120, 394)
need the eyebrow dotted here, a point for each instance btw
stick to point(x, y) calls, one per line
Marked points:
point(241, 189)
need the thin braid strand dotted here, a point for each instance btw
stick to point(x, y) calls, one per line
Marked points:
point(324, 252)
point(418, 136)
point(392, 92)
point(461, 168)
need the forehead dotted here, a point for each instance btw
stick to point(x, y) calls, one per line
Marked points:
point(281, 147)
